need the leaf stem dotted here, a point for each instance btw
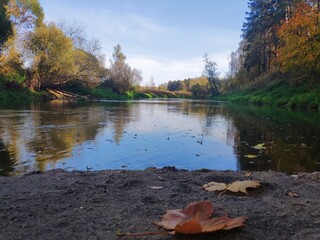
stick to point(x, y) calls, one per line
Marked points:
point(119, 234)
point(222, 193)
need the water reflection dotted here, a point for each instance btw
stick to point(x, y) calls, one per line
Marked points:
point(136, 135)
point(292, 138)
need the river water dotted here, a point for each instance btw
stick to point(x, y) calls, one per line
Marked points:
point(156, 133)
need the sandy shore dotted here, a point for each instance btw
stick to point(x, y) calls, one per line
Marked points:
point(95, 205)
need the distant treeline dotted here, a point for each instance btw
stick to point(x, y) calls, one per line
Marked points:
point(199, 87)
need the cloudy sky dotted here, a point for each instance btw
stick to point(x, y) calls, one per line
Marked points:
point(165, 39)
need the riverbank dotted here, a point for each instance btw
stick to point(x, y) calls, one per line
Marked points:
point(277, 93)
point(95, 205)
point(139, 93)
point(13, 92)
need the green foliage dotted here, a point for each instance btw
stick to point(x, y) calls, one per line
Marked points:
point(210, 70)
point(124, 78)
point(5, 24)
point(14, 77)
point(280, 41)
point(176, 85)
point(53, 55)
point(12, 90)
point(60, 57)
point(26, 13)
point(200, 91)
point(89, 69)
point(300, 53)
point(278, 93)
point(199, 87)
point(99, 92)
point(260, 34)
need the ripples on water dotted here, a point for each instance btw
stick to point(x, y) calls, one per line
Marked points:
point(156, 133)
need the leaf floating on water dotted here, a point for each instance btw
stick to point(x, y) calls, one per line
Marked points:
point(241, 186)
point(303, 145)
point(250, 156)
point(155, 187)
point(260, 146)
point(237, 186)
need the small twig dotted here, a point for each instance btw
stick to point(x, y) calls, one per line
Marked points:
point(222, 192)
point(119, 234)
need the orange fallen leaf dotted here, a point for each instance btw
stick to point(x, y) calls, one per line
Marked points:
point(194, 219)
point(292, 194)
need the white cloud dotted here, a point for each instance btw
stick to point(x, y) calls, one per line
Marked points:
point(165, 69)
point(109, 24)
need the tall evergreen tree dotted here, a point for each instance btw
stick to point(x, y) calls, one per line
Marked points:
point(5, 24)
point(260, 34)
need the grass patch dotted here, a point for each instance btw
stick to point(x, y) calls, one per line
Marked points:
point(108, 94)
point(154, 93)
point(12, 91)
point(278, 94)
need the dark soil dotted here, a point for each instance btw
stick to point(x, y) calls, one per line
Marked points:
point(95, 205)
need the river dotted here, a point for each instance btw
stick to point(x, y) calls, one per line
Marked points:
point(156, 133)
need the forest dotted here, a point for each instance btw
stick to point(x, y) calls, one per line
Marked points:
point(279, 55)
point(281, 39)
point(278, 59)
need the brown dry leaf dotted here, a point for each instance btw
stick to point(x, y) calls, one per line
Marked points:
point(174, 217)
point(196, 218)
point(237, 186)
point(215, 186)
point(247, 173)
point(292, 194)
point(241, 186)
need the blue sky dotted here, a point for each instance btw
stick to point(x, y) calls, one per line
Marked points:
point(165, 39)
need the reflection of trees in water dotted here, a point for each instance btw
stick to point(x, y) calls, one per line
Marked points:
point(49, 132)
point(120, 114)
point(211, 115)
point(6, 164)
point(61, 128)
point(292, 142)
point(12, 130)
